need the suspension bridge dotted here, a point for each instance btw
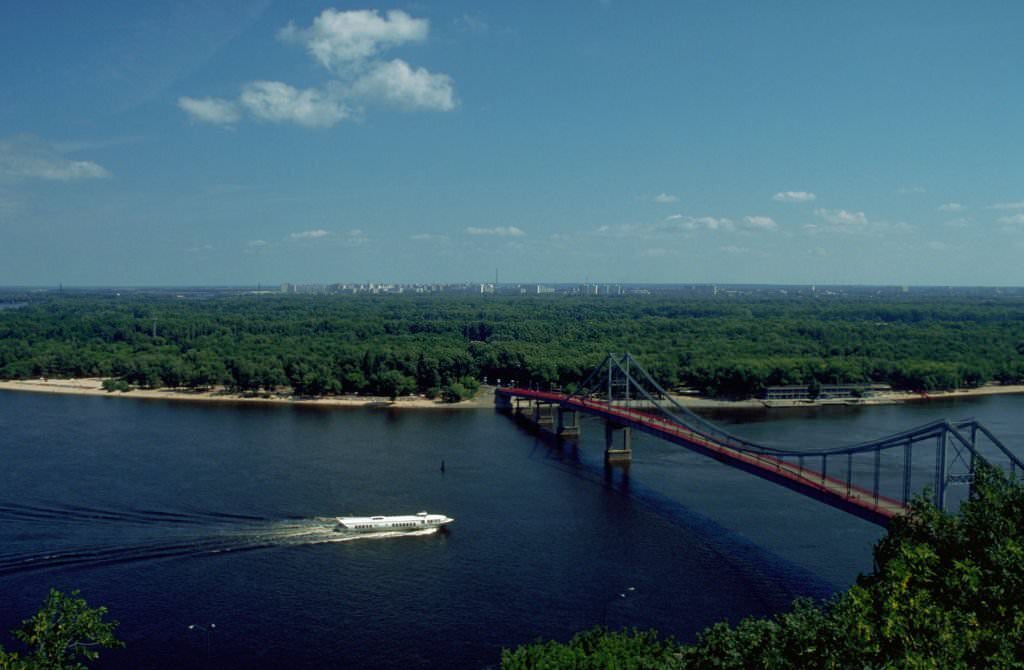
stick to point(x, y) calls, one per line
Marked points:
point(874, 480)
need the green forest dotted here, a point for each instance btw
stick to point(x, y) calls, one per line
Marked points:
point(446, 345)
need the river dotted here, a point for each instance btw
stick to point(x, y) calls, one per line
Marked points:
point(178, 514)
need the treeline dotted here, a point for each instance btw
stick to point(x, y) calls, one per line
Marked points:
point(394, 345)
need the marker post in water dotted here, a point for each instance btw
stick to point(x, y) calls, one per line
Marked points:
point(209, 631)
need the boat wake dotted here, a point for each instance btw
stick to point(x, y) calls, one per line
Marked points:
point(83, 537)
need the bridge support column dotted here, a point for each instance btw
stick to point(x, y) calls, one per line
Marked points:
point(617, 455)
point(568, 423)
point(502, 402)
point(543, 415)
point(520, 404)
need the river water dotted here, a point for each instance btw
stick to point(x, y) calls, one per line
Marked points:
point(219, 517)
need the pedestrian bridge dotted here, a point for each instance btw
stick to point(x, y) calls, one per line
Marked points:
point(874, 480)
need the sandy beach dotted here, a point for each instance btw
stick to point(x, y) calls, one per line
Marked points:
point(483, 399)
point(94, 387)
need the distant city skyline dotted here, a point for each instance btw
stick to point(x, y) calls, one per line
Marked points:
point(146, 144)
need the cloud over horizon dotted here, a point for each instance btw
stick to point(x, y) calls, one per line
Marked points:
point(500, 231)
point(210, 110)
point(794, 196)
point(28, 157)
point(309, 234)
point(842, 217)
point(347, 44)
point(338, 39)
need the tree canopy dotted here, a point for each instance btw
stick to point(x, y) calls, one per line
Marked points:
point(394, 345)
point(64, 632)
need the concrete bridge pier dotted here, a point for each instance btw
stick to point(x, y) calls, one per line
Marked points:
point(623, 454)
point(502, 402)
point(544, 414)
point(520, 405)
point(568, 423)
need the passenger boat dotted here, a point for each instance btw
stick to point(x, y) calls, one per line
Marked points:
point(401, 523)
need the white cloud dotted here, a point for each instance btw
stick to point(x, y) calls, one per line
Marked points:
point(958, 223)
point(500, 231)
point(1008, 205)
point(25, 156)
point(733, 249)
point(278, 102)
point(338, 39)
point(911, 190)
point(936, 245)
point(210, 110)
point(794, 196)
point(64, 170)
point(657, 252)
point(1014, 220)
point(471, 23)
point(706, 222)
point(348, 44)
point(679, 224)
point(639, 230)
point(354, 238)
point(842, 217)
point(428, 237)
point(952, 207)
point(760, 222)
point(256, 244)
point(397, 83)
point(310, 234)
point(666, 198)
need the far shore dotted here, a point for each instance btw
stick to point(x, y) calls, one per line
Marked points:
point(483, 399)
point(94, 387)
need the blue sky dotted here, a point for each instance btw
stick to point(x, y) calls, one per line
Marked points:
point(180, 143)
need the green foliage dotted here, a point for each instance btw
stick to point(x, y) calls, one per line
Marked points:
point(597, 649)
point(947, 592)
point(64, 632)
point(322, 345)
point(111, 385)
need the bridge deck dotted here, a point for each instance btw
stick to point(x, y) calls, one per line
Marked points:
point(838, 493)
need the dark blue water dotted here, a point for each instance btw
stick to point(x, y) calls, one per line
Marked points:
point(174, 514)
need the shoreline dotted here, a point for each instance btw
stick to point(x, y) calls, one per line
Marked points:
point(889, 398)
point(93, 387)
point(483, 399)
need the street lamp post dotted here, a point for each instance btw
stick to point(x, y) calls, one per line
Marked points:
point(209, 629)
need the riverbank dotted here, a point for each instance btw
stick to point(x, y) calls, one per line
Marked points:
point(483, 399)
point(900, 397)
point(94, 387)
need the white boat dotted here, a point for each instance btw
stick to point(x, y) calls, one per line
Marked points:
point(401, 523)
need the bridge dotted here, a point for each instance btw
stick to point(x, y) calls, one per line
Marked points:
point(874, 480)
